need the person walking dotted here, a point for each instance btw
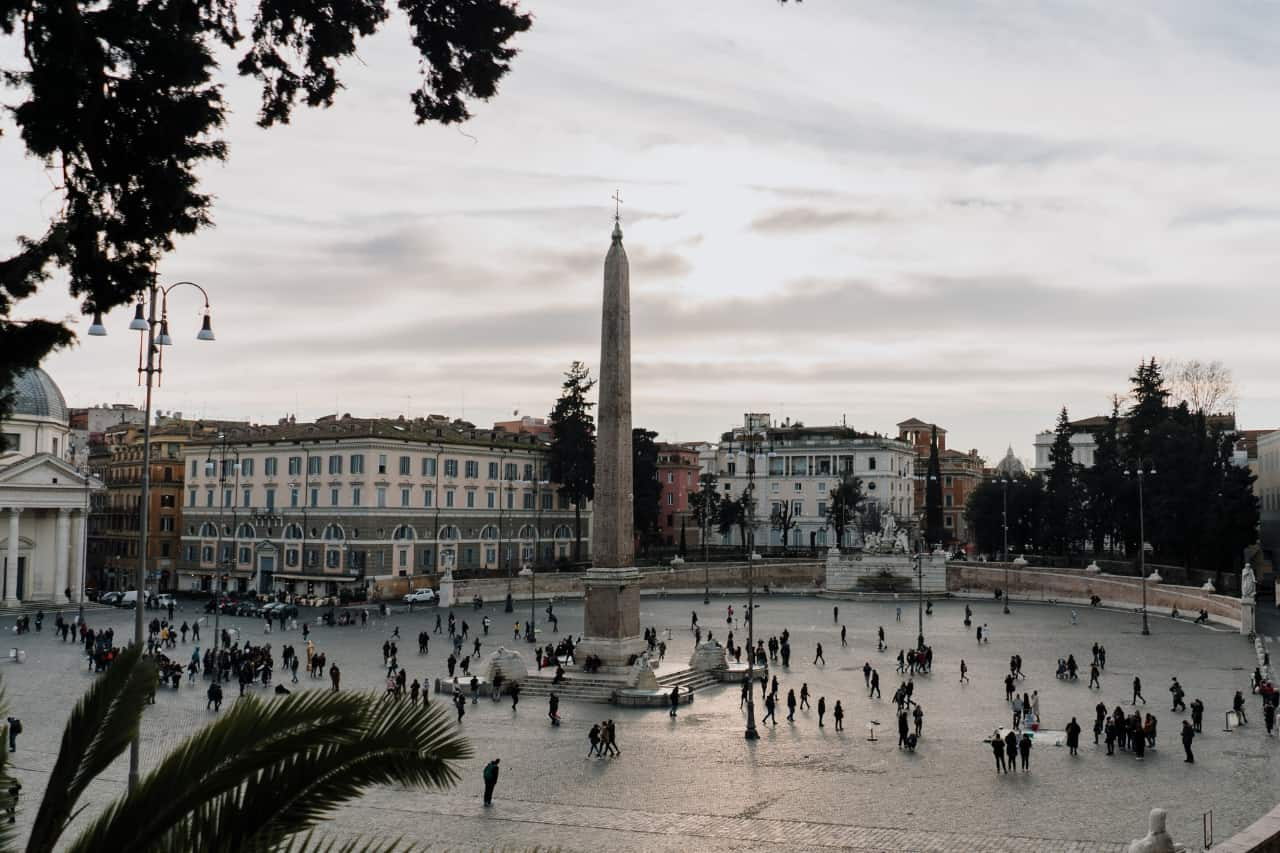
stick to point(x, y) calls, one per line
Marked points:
point(215, 697)
point(822, 709)
point(593, 738)
point(515, 694)
point(1011, 750)
point(903, 729)
point(1073, 737)
point(1197, 715)
point(1175, 689)
point(769, 706)
point(835, 613)
point(1188, 735)
point(675, 700)
point(838, 714)
point(1269, 717)
point(844, 633)
point(1137, 691)
point(1024, 751)
point(553, 708)
point(880, 634)
point(866, 674)
point(917, 717)
point(1093, 676)
point(818, 656)
point(490, 780)
point(997, 749)
point(335, 676)
point(804, 696)
point(875, 685)
point(1237, 705)
point(791, 706)
point(611, 738)
point(964, 672)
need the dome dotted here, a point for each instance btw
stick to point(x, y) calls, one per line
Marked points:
point(36, 394)
point(1010, 466)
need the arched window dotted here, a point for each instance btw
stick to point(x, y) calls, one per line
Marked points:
point(404, 531)
point(527, 532)
point(489, 532)
point(450, 532)
point(333, 533)
point(293, 531)
point(208, 531)
point(563, 532)
point(246, 531)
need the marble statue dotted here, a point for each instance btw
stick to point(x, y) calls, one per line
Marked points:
point(871, 542)
point(889, 526)
point(1157, 839)
point(901, 544)
point(1248, 584)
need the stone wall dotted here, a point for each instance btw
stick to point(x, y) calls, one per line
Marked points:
point(1261, 836)
point(724, 577)
point(1077, 585)
point(858, 572)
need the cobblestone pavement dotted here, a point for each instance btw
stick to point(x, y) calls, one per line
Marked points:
point(695, 783)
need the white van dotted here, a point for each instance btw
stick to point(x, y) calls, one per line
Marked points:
point(129, 599)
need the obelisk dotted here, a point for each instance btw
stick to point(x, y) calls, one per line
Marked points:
point(611, 621)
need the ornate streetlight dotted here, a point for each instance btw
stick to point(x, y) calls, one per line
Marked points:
point(155, 336)
point(1141, 473)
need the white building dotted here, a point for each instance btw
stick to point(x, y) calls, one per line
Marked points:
point(1267, 489)
point(45, 501)
point(802, 465)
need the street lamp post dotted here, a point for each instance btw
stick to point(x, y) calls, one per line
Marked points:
point(751, 733)
point(150, 368)
point(1141, 474)
point(219, 565)
point(1004, 516)
point(920, 595)
point(533, 601)
point(86, 473)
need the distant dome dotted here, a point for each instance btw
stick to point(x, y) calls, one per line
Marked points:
point(1010, 466)
point(36, 394)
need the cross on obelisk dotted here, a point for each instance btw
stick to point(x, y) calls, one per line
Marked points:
point(617, 205)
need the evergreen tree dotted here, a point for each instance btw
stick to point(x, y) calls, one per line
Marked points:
point(684, 542)
point(705, 506)
point(1103, 486)
point(842, 507)
point(730, 514)
point(646, 491)
point(985, 514)
point(1062, 497)
point(935, 532)
point(571, 460)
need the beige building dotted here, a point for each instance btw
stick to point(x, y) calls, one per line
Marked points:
point(342, 503)
point(44, 500)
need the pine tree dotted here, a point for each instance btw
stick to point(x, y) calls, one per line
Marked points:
point(1061, 510)
point(935, 532)
point(571, 460)
point(705, 505)
point(843, 505)
point(646, 491)
point(1103, 489)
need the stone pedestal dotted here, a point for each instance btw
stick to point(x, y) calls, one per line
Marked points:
point(611, 616)
point(1248, 616)
point(709, 657)
point(445, 593)
point(507, 663)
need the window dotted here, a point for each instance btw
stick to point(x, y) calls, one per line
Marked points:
point(509, 471)
point(355, 496)
point(293, 496)
point(295, 466)
point(333, 497)
point(670, 477)
point(313, 465)
point(332, 558)
point(547, 499)
point(271, 498)
point(947, 481)
point(528, 500)
point(428, 497)
point(166, 524)
point(208, 497)
point(335, 464)
point(798, 487)
point(822, 509)
point(671, 499)
point(797, 509)
point(206, 554)
point(382, 463)
point(451, 467)
point(471, 499)
point(404, 497)
point(11, 441)
point(528, 472)
point(246, 468)
point(357, 464)
point(248, 497)
point(822, 488)
point(871, 463)
point(491, 499)
point(493, 470)
point(947, 521)
point(947, 500)
point(244, 556)
point(510, 500)
point(428, 467)
point(191, 497)
point(448, 497)
point(406, 466)
point(226, 497)
point(270, 466)
point(472, 468)
point(382, 496)
point(774, 487)
point(799, 465)
point(315, 498)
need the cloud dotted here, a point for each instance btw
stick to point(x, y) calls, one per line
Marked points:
point(790, 220)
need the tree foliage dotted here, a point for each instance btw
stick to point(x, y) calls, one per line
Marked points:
point(122, 101)
point(261, 777)
point(571, 461)
point(705, 506)
point(985, 514)
point(1062, 510)
point(1205, 386)
point(646, 491)
point(843, 504)
point(782, 518)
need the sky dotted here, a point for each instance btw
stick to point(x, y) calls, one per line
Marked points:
point(968, 213)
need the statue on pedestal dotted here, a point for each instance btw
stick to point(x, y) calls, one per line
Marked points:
point(1157, 839)
point(1248, 584)
point(900, 543)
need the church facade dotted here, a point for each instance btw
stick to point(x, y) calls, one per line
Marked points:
point(44, 500)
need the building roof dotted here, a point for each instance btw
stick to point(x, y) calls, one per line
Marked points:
point(331, 427)
point(36, 394)
point(916, 423)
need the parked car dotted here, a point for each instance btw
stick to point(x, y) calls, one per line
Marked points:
point(228, 605)
point(164, 599)
point(128, 599)
point(420, 596)
point(275, 609)
point(112, 598)
point(91, 593)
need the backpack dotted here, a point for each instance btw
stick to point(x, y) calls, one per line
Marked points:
point(16, 726)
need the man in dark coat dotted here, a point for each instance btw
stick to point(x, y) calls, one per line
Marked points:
point(490, 780)
point(1188, 735)
point(1073, 736)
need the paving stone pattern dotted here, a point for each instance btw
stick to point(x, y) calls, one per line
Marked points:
point(694, 783)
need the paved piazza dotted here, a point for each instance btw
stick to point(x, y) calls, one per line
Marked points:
point(694, 783)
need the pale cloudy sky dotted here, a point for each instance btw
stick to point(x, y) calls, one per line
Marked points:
point(972, 213)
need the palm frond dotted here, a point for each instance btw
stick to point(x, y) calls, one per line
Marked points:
point(266, 771)
point(310, 843)
point(101, 726)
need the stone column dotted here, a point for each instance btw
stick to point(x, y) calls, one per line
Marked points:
point(61, 554)
point(11, 569)
point(79, 536)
